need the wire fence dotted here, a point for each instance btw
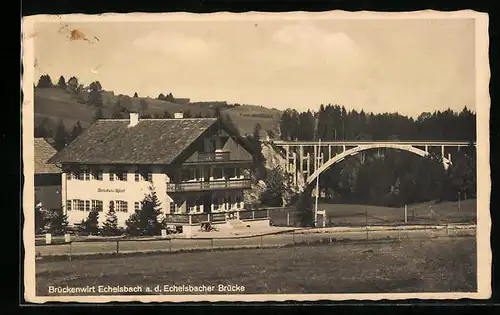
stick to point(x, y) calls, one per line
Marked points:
point(68, 247)
point(355, 215)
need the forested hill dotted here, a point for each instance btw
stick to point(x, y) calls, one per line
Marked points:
point(334, 122)
point(64, 109)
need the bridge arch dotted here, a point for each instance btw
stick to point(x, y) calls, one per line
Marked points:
point(353, 151)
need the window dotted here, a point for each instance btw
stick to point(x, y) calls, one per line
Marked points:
point(68, 205)
point(69, 176)
point(118, 175)
point(79, 205)
point(217, 201)
point(121, 175)
point(87, 205)
point(239, 201)
point(237, 172)
point(173, 207)
point(217, 173)
point(97, 204)
point(121, 206)
point(137, 177)
point(77, 176)
point(230, 172)
point(212, 145)
point(111, 205)
point(137, 206)
point(97, 174)
point(86, 175)
point(149, 177)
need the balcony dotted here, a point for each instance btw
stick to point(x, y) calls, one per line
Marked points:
point(213, 156)
point(210, 185)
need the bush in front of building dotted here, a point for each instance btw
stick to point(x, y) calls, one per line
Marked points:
point(40, 219)
point(57, 222)
point(92, 223)
point(110, 226)
point(144, 221)
point(89, 226)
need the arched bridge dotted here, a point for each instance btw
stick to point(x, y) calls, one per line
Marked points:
point(308, 157)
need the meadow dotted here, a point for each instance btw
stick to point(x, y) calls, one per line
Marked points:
point(445, 264)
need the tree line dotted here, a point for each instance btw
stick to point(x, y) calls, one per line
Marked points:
point(334, 122)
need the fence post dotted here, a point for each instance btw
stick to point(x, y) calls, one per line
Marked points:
point(117, 246)
point(169, 244)
point(211, 244)
point(288, 219)
point(48, 238)
point(406, 214)
point(70, 250)
point(267, 213)
point(253, 214)
point(190, 219)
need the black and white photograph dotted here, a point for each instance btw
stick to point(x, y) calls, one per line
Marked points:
point(304, 156)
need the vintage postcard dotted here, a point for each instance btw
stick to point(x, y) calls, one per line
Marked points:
point(256, 156)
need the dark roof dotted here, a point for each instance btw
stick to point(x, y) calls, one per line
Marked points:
point(43, 152)
point(151, 141)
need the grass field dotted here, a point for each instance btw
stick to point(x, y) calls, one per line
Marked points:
point(360, 215)
point(55, 104)
point(431, 265)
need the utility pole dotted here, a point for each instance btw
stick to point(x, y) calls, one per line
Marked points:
point(317, 185)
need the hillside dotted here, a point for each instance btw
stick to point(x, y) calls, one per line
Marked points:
point(52, 104)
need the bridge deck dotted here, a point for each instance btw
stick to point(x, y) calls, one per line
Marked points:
point(357, 143)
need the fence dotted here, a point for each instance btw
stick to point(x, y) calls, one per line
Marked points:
point(218, 217)
point(111, 246)
point(358, 215)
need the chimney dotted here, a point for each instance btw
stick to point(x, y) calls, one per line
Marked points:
point(134, 119)
point(178, 115)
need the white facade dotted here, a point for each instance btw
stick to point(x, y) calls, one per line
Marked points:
point(98, 186)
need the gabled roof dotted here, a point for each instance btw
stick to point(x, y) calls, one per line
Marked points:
point(43, 152)
point(151, 141)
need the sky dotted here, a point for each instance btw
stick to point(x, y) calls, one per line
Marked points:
point(392, 65)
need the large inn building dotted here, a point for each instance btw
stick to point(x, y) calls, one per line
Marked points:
point(194, 165)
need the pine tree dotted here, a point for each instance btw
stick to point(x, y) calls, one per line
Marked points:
point(92, 222)
point(44, 82)
point(135, 94)
point(275, 181)
point(110, 226)
point(61, 136)
point(58, 222)
point(61, 83)
point(77, 130)
point(72, 84)
point(144, 221)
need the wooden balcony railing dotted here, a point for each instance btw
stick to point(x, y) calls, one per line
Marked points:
point(213, 156)
point(210, 185)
